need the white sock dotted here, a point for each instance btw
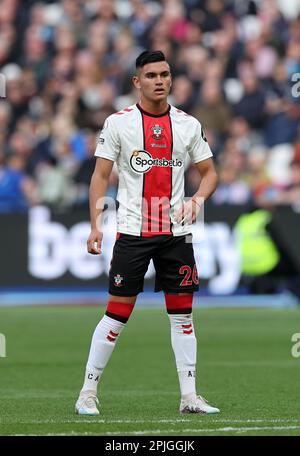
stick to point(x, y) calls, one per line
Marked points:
point(103, 342)
point(184, 344)
point(187, 382)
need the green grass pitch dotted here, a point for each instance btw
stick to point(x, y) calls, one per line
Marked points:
point(245, 367)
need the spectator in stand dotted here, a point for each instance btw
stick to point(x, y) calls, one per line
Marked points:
point(213, 112)
point(256, 174)
point(16, 189)
point(283, 123)
point(53, 185)
point(83, 176)
point(252, 104)
point(231, 189)
point(291, 194)
point(244, 137)
point(182, 95)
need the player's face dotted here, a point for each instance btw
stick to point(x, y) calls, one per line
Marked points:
point(154, 80)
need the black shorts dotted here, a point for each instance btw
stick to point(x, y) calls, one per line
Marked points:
point(173, 259)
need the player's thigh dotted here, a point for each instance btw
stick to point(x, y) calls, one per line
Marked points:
point(123, 299)
point(176, 270)
point(129, 264)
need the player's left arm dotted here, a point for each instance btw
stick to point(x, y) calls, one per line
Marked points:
point(208, 184)
point(209, 180)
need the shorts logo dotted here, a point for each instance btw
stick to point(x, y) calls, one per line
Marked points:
point(142, 161)
point(118, 280)
point(157, 131)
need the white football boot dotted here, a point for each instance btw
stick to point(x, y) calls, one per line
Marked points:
point(196, 404)
point(87, 404)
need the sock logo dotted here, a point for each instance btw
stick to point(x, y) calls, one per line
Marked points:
point(191, 374)
point(91, 377)
point(112, 336)
point(187, 329)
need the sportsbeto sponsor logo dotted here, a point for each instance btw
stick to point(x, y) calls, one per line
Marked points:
point(142, 161)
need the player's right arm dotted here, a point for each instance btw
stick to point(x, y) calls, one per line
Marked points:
point(98, 188)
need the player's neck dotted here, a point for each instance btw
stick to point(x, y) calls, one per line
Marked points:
point(156, 108)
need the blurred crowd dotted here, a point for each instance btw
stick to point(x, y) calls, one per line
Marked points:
point(66, 65)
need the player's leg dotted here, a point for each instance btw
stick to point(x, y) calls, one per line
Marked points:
point(183, 339)
point(184, 344)
point(128, 267)
point(104, 339)
point(177, 277)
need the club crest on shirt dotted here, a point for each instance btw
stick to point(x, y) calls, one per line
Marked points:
point(118, 280)
point(157, 131)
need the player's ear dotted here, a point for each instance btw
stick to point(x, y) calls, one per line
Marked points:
point(136, 82)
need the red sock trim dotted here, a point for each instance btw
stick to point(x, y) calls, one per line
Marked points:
point(122, 309)
point(175, 302)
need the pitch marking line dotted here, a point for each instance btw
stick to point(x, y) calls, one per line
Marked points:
point(92, 420)
point(170, 431)
point(224, 429)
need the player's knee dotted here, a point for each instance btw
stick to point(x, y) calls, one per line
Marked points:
point(119, 311)
point(179, 303)
point(182, 325)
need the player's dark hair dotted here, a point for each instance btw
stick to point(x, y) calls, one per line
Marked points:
point(149, 57)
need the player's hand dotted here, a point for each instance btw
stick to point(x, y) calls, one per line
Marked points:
point(188, 213)
point(94, 242)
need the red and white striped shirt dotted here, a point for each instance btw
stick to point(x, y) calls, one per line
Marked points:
point(150, 152)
